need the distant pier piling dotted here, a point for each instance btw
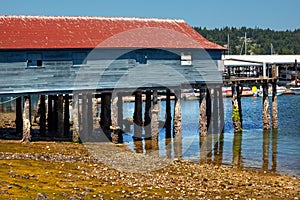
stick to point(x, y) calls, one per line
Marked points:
point(274, 106)
point(266, 107)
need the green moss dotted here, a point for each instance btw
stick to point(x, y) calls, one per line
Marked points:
point(235, 114)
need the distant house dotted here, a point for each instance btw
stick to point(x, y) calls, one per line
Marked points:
point(40, 54)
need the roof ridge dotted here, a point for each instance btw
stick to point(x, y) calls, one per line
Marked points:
point(93, 17)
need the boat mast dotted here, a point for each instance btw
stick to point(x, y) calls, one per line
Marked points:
point(245, 43)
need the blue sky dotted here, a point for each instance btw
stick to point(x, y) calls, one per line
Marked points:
point(273, 14)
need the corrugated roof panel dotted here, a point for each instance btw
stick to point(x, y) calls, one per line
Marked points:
point(44, 32)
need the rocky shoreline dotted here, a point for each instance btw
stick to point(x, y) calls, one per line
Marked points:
point(63, 170)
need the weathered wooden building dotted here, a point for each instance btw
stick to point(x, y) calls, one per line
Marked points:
point(96, 56)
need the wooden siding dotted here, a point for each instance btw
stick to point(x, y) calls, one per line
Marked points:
point(104, 69)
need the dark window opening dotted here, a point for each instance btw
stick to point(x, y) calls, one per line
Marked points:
point(79, 58)
point(141, 58)
point(34, 60)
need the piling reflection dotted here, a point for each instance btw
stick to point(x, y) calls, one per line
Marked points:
point(274, 149)
point(266, 150)
point(237, 150)
point(266, 146)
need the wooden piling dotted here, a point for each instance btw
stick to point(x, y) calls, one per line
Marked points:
point(75, 111)
point(42, 107)
point(215, 113)
point(274, 106)
point(26, 121)
point(106, 113)
point(203, 117)
point(55, 114)
point(120, 110)
point(19, 118)
point(66, 116)
point(221, 107)
point(84, 118)
point(208, 111)
point(116, 130)
point(147, 118)
point(95, 111)
point(239, 90)
point(236, 110)
point(137, 117)
point(154, 119)
point(266, 107)
point(60, 116)
point(50, 114)
point(90, 126)
point(168, 114)
point(177, 123)
point(147, 115)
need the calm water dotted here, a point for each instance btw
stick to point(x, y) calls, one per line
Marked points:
point(266, 151)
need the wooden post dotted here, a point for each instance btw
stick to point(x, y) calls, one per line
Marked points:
point(42, 115)
point(120, 110)
point(147, 117)
point(168, 114)
point(55, 114)
point(177, 125)
point(266, 107)
point(89, 114)
point(137, 117)
point(75, 136)
point(26, 121)
point(221, 107)
point(95, 110)
point(274, 106)
point(208, 111)
point(203, 117)
point(236, 110)
point(19, 119)
point(84, 118)
point(239, 92)
point(106, 113)
point(116, 130)
point(154, 119)
point(60, 116)
point(215, 113)
point(66, 116)
point(177, 129)
point(50, 114)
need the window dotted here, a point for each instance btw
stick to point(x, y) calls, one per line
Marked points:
point(141, 58)
point(34, 60)
point(79, 58)
point(186, 58)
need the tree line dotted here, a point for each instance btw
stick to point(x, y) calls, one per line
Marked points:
point(258, 41)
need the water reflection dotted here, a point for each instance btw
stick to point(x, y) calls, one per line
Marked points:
point(266, 149)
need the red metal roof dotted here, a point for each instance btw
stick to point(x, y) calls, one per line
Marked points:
point(43, 32)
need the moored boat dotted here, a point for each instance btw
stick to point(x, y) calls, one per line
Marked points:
point(227, 92)
point(295, 90)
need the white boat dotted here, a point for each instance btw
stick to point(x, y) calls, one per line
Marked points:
point(295, 90)
point(279, 91)
point(227, 92)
